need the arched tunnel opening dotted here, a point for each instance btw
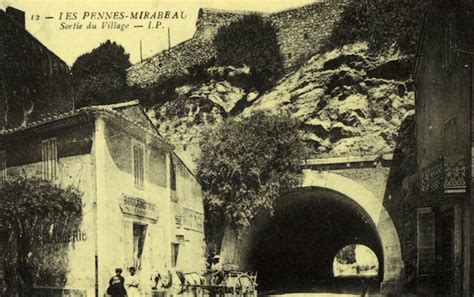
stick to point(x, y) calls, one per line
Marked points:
point(296, 247)
point(355, 260)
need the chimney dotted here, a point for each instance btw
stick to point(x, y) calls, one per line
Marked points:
point(17, 15)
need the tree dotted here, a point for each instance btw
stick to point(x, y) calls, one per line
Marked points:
point(245, 165)
point(347, 255)
point(381, 24)
point(32, 212)
point(100, 77)
point(251, 41)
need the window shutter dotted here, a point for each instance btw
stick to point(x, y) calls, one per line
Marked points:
point(49, 154)
point(425, 240)
point(172, 175)
point(138, 165)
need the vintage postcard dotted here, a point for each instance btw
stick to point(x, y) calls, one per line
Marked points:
point(238, 147)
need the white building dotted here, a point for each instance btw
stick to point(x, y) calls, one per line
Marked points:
point(141, 205)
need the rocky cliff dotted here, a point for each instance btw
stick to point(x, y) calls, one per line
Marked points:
point(351, 102)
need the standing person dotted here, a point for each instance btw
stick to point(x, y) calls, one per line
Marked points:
point(167, 281)
point(133, 283)
point(116, 285)
point(217, 270)
point(156, 280)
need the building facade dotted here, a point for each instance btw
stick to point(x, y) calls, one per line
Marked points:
point(142, 206)
point(34, 82)
point(444, 143)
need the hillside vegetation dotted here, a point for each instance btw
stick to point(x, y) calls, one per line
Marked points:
point(351, 97)
point(382, 24)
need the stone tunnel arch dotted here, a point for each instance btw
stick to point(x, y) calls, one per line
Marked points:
point(389, 250)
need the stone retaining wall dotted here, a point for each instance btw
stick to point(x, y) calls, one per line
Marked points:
point(301, 33)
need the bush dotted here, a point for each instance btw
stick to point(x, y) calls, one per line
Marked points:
point(251, 41)
point(246, 164)
point(381, 24)
point(347, 255)
point(100, 77)
point(33, 212)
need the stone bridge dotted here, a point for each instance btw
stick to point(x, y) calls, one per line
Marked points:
point(341, 201)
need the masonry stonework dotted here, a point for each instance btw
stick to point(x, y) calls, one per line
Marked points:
point(34, 82)
point(301, 32)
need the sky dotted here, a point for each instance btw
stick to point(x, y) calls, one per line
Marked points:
point(46, 20)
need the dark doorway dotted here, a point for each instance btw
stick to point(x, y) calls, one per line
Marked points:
point(445, 255)
point(3, 250)
point(139, 234)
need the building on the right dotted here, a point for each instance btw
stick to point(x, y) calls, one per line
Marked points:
point(444, 145)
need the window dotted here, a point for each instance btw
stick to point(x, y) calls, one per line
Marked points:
point(49, 151)
point(139, 233)
point(138, 165)
point(3, 166)
point(172, 175)
point(305, 36)
point(172, 172)
point(178, 221)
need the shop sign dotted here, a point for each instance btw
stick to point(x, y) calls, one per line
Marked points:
point(138, 207)
point(65, 237)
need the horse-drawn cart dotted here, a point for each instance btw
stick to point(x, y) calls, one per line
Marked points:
point(225, 283)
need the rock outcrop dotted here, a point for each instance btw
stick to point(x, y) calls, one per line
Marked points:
point(346, 100)
point(348, 103)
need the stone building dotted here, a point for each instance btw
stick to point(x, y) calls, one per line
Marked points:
point(444, 143)
point(34, 82)
point(142, 206)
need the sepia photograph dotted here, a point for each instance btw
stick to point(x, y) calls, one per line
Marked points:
point(236, 148)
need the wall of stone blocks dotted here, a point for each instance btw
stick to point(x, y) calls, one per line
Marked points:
point(34, 82)
point(301, 33)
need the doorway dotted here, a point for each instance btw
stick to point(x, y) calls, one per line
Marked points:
point(445, 255)
point(139, 234)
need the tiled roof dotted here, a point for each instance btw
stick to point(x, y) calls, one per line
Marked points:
point(117, 110)
point(41, 122)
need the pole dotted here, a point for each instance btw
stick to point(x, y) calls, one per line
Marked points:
point(169, 39)
point(141, 51)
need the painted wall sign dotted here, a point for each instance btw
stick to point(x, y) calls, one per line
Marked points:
point(193, 220)
point(138, 207)
point(65, 237)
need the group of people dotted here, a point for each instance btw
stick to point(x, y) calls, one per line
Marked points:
point(130, 286)
point(118, 287)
